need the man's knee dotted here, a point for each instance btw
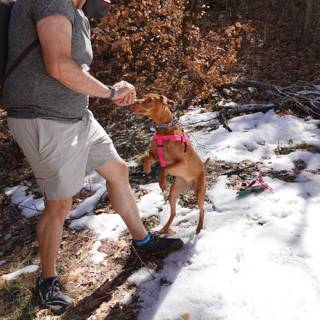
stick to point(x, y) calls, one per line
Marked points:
point(115, 171)
point(60, 208)
point(121, 173)
point(123, 170)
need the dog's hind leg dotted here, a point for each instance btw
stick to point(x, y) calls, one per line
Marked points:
point(200, 191)
point(179, 185)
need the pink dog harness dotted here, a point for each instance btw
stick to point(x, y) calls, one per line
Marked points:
point(160, 143)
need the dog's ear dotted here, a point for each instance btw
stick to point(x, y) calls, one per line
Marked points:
point(163, 99)
point(167, 102)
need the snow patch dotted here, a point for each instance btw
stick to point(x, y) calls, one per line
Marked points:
point(97, 256)
point(258, 257)
point(14, 275)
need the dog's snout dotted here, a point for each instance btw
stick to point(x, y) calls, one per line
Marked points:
point(136, 107)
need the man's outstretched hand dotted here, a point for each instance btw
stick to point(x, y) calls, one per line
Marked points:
point(125, 93)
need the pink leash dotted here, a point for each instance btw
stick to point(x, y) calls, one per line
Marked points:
point(160, 145)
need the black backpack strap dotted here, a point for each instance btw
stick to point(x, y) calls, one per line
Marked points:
point(22, 56)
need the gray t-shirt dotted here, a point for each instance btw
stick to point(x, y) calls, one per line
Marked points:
point(29, 92)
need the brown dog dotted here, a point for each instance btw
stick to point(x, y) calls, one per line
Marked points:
point(172, 148)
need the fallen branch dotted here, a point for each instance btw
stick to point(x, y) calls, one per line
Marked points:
point(251, 108)
point(235, 110)
point(303, 96)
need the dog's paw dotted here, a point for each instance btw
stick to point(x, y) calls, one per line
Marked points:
point(166, 231)
point(146, 169)
point(199, 229)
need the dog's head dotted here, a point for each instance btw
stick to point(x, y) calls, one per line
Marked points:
point(153, 106)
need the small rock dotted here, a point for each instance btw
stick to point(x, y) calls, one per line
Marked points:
point(300, 164)
point(7, 236)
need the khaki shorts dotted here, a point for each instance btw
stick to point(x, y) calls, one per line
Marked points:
point(61, 153)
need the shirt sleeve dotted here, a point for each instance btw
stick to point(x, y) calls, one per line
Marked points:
point(45, 8)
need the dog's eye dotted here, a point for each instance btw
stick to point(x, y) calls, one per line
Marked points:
point(150, 100)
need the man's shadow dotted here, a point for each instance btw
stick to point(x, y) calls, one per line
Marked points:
point(85, 307)
point(88, 305)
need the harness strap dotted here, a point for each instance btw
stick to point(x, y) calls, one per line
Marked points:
point(20, 59)
point(160, 143)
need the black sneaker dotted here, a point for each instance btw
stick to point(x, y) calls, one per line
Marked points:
point(157, 245)
point(50, 293)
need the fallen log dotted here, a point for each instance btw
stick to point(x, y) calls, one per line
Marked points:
point(222, 117)
point(303, 96)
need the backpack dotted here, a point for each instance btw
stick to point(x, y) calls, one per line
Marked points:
point(5, 10)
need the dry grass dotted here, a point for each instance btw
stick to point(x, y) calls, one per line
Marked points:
point(17, 298)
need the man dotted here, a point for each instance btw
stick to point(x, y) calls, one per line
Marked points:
point(46, 98)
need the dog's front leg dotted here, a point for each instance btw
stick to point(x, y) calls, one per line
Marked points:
point(162, 179)
point(147, 162)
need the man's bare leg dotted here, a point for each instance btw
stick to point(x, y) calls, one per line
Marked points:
point(122, 197)
point(49, 232)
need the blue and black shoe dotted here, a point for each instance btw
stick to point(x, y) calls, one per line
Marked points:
point(152, 244)
point(51, 294)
